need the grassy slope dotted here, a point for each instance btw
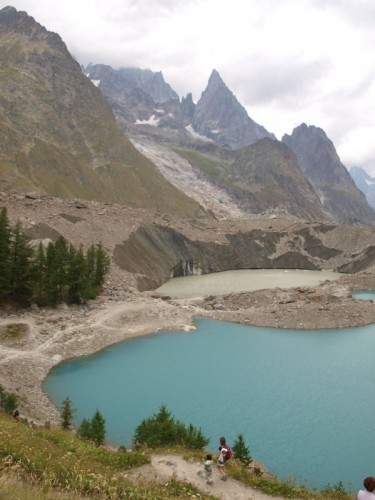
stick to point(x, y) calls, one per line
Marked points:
point(41, 461)
point(45, 464)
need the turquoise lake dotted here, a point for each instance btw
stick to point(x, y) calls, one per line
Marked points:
point(304, 400)
point(364, 294)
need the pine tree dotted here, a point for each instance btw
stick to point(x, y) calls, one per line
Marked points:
point(80, 286)
point(66, 414)
point(98, 428)
point(51, 282)
point(38, 273)
point(74, 277)
point(194, 438)
point(84, 429)
point(91, 263)
point(4, 254)
point(2, 394)
point(49, 276)
point(101, 265)
point(241, 451)
point(62, 259)
point(10, 402)
point(20, 264)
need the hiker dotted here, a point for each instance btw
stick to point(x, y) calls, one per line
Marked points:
point(368, 493)
point(206, 473)
point(225, 454)
point(208, 469)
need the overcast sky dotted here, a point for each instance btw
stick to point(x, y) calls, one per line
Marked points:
point(287, 61)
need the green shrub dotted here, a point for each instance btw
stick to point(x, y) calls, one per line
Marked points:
point(162, 429)
point(8, 401)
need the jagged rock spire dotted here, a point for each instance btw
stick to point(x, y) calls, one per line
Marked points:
point(219, 116)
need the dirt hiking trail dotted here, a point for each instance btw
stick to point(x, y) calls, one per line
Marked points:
point(165, 467)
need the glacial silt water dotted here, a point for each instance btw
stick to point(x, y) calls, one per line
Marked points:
point(304, 400)
point(241, 280)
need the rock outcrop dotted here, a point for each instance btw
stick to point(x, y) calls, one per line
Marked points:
point(156, 253)
point(332, 182)
point(137, 96)
point(365, 183)
point(220, 117)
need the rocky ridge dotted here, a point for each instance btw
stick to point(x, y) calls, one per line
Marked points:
point(219, 116)
point(365, 183)
point(146, 246)
point(59, 136)
point(253, 173)
point(332, 182)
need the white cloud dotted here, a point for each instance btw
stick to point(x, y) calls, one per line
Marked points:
point(287, 61)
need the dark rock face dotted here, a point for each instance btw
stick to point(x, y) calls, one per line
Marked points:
point(42, 231)
point(137, 95)
point(12, 20)
point(266, 175)
point(319, 161)
point(365, 183)
point(188, 108)
point(150, 82)
point(128, 102)
point(362, 261)
point(220, 117)
point(157, 253)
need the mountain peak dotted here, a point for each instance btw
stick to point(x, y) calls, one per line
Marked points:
point(310, 131)
point(8, 9)
point(215, 78)
point(365, 183)
point(321, 164)
point(14, 21)
point(11, 18)
point(220, 117)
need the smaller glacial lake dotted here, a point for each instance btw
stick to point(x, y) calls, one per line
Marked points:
point(364, 294)
point(304, 400)
point(243, 280)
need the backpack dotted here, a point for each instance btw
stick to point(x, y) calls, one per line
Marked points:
point(228, 453)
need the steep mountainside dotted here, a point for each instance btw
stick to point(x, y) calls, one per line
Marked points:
point(206, 150)
point(318, 159)
point(58, 133)
point(263, 176)
point(138, 97)
point(220, 117)
point(365, 183)
point(141, 97)
point(150, 82)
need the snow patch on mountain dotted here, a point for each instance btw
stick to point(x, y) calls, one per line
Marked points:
point(153, 121)
point(195, 134)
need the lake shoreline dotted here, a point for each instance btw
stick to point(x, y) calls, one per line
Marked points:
point(55, 335)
